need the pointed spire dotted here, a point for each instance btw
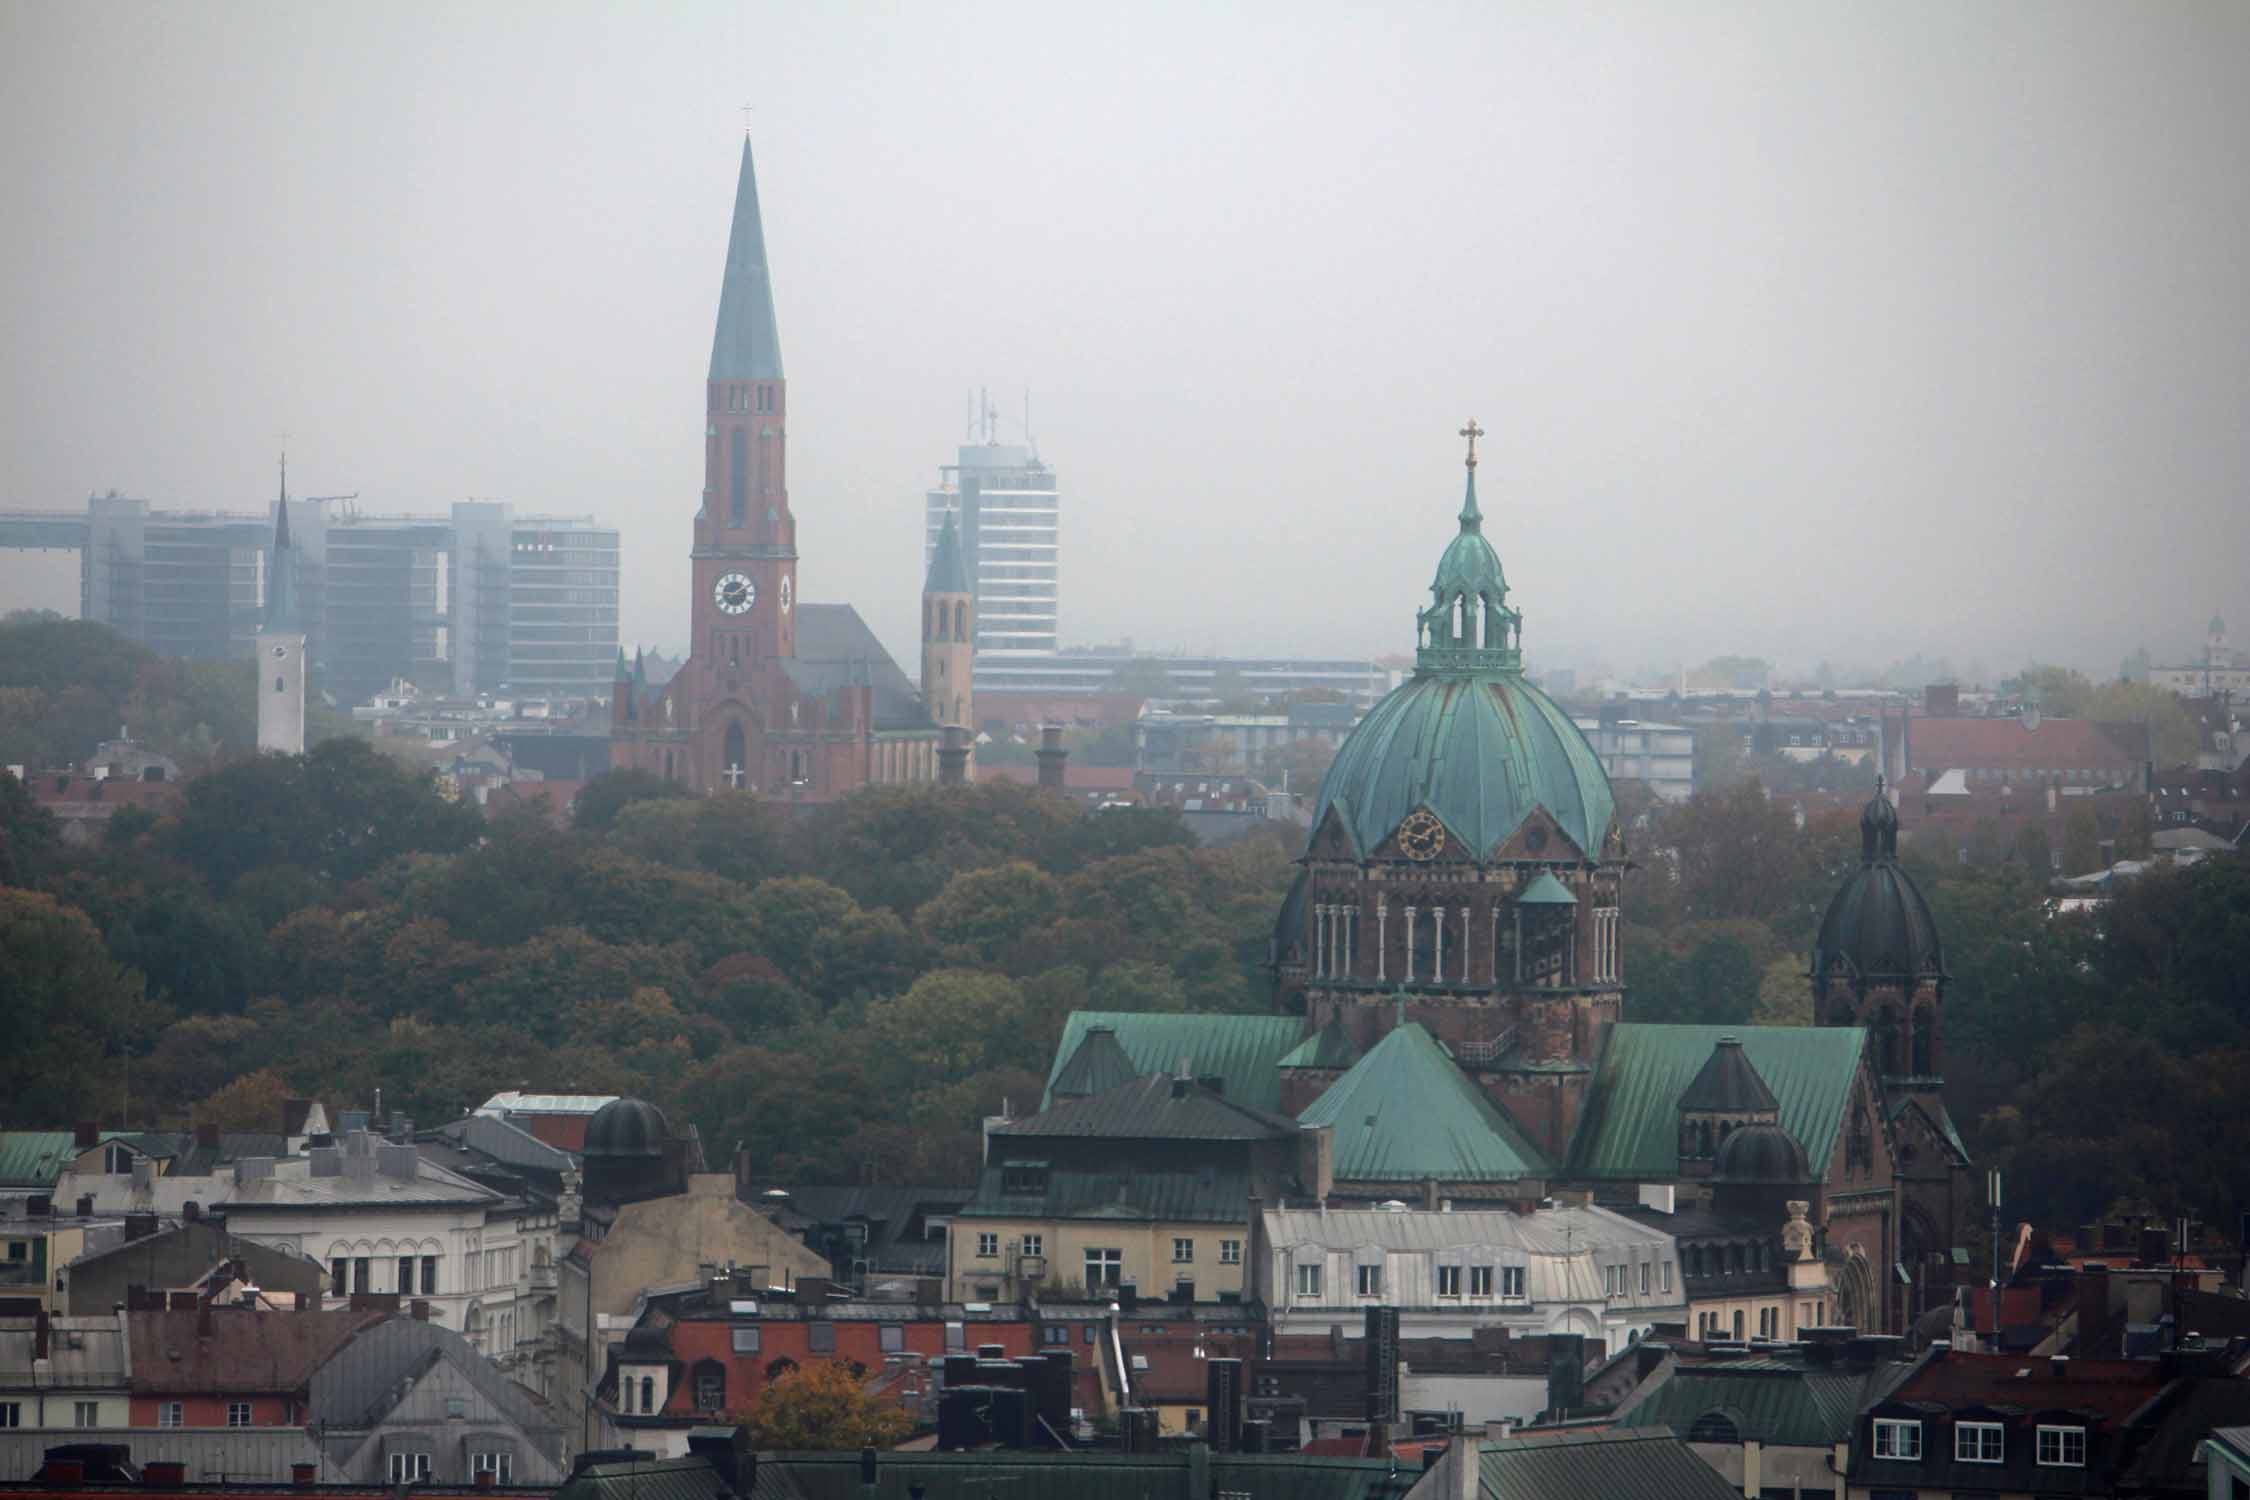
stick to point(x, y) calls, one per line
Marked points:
point(746, 345)
point(624, 667)
point(281, 567)
point(948, 575)
point(1472, 519)
point(640, 667)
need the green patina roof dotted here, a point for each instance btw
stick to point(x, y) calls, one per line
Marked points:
point(948, 575)
point(1546, 891)
point(1328, 1047)
point(1099, 1064)
point(1769, 1402)
point(1571, 1465)
point(1469, 565)
point(1632, 1127)
point(1480, 752)
point(35, 1158)
point(1406, 1111)
point(746, 344)
point(1239, 1049)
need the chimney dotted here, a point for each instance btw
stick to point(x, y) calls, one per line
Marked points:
point(89, 1134)
point(202, 1317)
point(207, 1133)
point(2059, 1367)
point(139, 1226)
point(2156, 1245)
point(163, 1474)
point(1051, 755)
point(251, 1169)
point(191, 1212)
point(302, 1475)
point(419, 1310)
point(953, 756)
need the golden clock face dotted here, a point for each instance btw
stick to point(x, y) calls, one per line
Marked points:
point(1421, 836)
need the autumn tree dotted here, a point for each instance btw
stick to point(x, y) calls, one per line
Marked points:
point(251, 1102)
point(73, 1009)
point(821, 1408)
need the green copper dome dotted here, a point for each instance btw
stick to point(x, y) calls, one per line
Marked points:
point(1468, 737)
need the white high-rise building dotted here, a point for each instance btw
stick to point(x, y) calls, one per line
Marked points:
point(1006, 505)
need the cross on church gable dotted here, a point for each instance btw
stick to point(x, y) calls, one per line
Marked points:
point(734, 775)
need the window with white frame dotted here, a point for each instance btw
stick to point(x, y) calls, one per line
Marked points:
point(1230, 1252)
point(408, 1467)
point(1104, 1267)
point(501, 1466)
point(1367, 1280)
point(1667, 1277)
point(746, 1340)
point(1035, 1244)
point(1308, 1278)
point(890, 1338)
point(1897, 1439)
point(2062, 1447)
point(170, 1414)
point(1511, 1281)
point(988, 1245)
point(1980, 1443)
point(1480, 1281)
point(1449, 1281)
point(85, 1414)
point(11, 1413)
point(1183, 1250)
point(238, 1414)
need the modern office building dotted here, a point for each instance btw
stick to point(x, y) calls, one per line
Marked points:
point(500, 601)
point(1006, 505)
point(1081, 673)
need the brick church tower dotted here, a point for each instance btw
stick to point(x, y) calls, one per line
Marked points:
point(793, 700)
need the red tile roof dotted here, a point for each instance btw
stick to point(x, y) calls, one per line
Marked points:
point(2115, 1388)
point(2006, 744)
point(243, 1352)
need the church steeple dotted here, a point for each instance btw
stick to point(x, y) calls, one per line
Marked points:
point(281, 568)
point(746, 344)
point(949, 634)
point(1468, 628)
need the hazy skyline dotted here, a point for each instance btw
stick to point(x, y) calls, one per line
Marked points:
point(1806, 331)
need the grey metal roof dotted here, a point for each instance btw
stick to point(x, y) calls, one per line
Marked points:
point(355, 1387)
point(508, 1144)
point(1548, 1231)
point(1597, 1466)
point(83, 1352)
point(746, 345)
point(1195, 1196)
point(836, 650)
point(1778, 1401)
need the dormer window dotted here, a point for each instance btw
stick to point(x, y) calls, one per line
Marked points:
point(1980, 1443)
point(1898, 1440)
point(1027, 1178)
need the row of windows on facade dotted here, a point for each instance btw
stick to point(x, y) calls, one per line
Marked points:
point(1104, 1266)
point(88, 1414)
point(1367, 1281)
point(1727, 1260)
point(361, 1276)
point(1540, 948)
point(407, 1468)
point(2054, 1447)
point(709, 1388)
point(1711, 1326)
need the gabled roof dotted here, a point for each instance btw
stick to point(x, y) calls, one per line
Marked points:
point(1099, 1064)
point(1151, 1108)
point(244, 1350)
point(367, 1375)
point(1240, 1049)
point(746, 344)
point(1808, 1407)
point(1406, 1111)
point(1631, 1129)
point(835, 650)
point(35, 1158)
point(1597, 1466)
point(1546, 891)
point(2009, 744)
point(1728, 1083)
point(1026, 1474)
point(1329, 1047)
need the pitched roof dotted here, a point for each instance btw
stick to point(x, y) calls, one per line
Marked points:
point(835, 649)
point(1240, 1049)
point(2011, 744)
point(1632, 1125)
point(1329, 1047)
point(1149, 1108)
point(746, 345)
point(1728, 1082)
point(1597, 1466)
point(367, 1375)
point(1091, 1475)
point(1098, 1065)
point(1802, 1407)
point(1546, 891)
point(35, 1158)
point(1406, 1111)
point(245, 1350)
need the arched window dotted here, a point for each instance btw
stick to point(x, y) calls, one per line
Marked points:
point(1703, 1138)
point(1714, 1427)
point(1925, 1042)
point(732, 764)
point(648, 1393)
point(960, 620)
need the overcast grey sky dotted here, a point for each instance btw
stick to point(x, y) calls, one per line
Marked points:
point(1806, 330)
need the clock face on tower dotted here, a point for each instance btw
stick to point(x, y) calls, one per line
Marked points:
point(734, 594)
point(1421, 836)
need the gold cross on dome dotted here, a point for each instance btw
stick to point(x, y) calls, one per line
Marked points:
point(1472, 432)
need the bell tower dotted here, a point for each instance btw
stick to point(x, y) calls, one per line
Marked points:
point(745, 557)
point(281, 642)
point(949, 634)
